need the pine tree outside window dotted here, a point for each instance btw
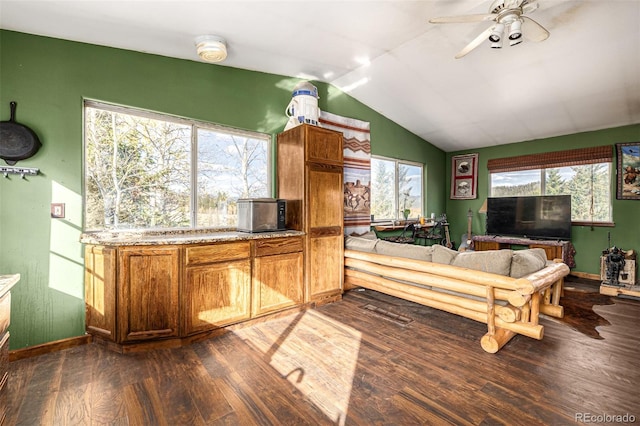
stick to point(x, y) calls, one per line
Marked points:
point(396, 189)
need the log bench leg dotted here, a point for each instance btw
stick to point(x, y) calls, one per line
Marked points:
point(493, 342)
point(495, 338)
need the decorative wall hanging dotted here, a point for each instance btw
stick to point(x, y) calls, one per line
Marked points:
point(628, 168)
point(464, 177)
point(357, 170)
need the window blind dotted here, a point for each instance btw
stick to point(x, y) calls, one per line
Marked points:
point(572, 157)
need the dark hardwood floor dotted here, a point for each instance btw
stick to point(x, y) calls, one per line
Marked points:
point(369, 359)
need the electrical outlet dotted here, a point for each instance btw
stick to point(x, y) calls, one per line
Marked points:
point(57, 210)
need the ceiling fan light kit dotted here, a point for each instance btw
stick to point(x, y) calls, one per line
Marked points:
point(211, 48)
point(507, 14)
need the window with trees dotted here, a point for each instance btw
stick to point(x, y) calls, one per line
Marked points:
point(396, 189)
point(585, 174)
point(147, 170)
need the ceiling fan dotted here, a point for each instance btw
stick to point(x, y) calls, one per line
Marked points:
point(509, 18)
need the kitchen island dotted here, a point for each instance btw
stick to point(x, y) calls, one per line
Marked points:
point(6, 283)
point(164, 289)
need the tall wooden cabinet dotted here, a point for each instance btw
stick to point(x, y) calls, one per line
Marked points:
point(310, 178)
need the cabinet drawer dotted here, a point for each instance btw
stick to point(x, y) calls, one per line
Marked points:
point(217, 252)
point(5, 312)
point(4, 361)
point(273, 246)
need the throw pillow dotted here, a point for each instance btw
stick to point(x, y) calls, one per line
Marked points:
point(527, 261)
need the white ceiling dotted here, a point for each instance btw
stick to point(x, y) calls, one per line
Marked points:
point(585, 76)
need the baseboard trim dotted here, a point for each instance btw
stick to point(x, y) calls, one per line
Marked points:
point(48, 347)
point(585, 275)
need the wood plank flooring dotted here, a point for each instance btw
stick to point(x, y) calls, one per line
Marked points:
point(344, 363)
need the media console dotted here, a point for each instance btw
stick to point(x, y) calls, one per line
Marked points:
point(555, 249)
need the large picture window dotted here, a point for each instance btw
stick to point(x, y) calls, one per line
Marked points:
point(396, 186)
point(147, 170)
point(585, 174)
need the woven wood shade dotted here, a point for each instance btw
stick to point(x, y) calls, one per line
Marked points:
point(572, 157)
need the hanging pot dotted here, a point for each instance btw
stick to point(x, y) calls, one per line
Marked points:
point(17, 142)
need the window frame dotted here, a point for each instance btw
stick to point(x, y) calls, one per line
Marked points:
point(195, 125)
point(396, 185)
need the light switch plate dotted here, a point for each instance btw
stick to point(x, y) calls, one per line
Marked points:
point(57, 210)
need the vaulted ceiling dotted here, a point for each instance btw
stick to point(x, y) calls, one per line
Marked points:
point(585, 76)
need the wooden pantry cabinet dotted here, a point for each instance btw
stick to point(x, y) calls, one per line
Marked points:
point(138, 294)
point(310, 178)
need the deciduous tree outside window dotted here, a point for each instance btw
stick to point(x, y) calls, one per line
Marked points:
point(139, 170)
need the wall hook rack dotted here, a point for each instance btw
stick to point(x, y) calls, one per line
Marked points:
point(22, 171)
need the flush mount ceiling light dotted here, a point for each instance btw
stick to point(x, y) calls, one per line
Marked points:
point(211, 48)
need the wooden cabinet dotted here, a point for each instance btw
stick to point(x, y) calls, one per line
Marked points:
point(554, 249)
point(138, 295)
point(310, 178)
point(148, 283)
point(100, 290)
point(6, 283)
point(216, 289)
point(277, 275)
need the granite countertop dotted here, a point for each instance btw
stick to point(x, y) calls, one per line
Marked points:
point(8, 281)
point(182, 236)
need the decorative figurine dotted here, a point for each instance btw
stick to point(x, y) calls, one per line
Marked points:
point(615, 263)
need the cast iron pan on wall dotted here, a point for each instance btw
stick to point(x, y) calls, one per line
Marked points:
point(17, 141)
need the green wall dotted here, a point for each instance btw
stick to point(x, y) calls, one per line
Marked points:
point(49, 79)
point(588, 241)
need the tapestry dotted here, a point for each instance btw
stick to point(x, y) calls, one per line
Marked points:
point(357, 170)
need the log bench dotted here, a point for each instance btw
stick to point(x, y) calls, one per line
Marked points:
point(508, 305)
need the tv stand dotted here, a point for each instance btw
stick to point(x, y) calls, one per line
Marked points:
point(555, 249)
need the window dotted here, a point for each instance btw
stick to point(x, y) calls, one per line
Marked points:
point(585, 174)
point(147, 170)
point(396, 186)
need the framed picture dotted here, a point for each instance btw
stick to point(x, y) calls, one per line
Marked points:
point(628, 168)
point(464, 177)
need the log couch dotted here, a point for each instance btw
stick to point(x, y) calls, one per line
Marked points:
point(505, 289)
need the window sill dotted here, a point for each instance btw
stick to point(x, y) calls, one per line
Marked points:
point(593, 224)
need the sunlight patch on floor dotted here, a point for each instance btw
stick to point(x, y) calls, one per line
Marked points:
point(315, 354)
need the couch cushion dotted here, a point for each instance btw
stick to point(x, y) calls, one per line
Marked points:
point(371, 235)
point(442, 254)
point(360, 244)
point(410, 251)
point(493, 261)
point(527, 261)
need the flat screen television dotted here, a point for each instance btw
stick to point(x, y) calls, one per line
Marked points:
point(537, 217)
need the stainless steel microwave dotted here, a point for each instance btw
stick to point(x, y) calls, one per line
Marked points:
point(261, 214)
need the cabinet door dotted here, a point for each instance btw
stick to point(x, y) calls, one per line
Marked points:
point(148, 283)
point(216, 294)
point(324, 146)
point(277, 282)
point(326, 196)
point(325, 263)
point(100, 291)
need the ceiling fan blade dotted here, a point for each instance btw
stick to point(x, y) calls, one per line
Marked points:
point(475, 43)
point(530, 7)
point(532, 30)
point(463, 18)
